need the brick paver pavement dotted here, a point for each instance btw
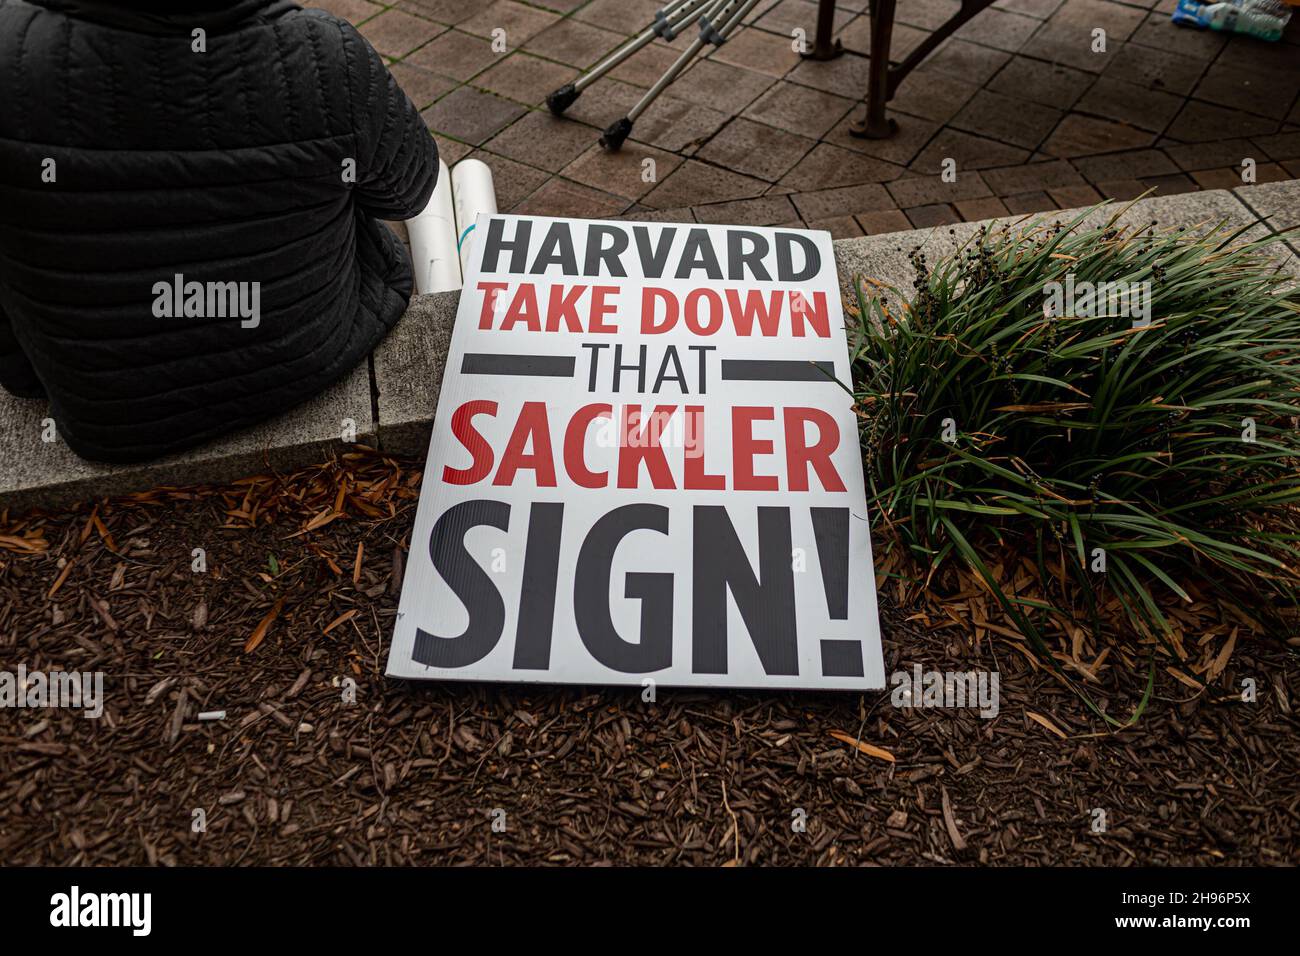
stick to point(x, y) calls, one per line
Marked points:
point(1024, 105)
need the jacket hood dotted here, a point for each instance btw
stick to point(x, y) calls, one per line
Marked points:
point(162, 17)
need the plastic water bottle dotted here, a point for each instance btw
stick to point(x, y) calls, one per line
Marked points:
point(1264, 19)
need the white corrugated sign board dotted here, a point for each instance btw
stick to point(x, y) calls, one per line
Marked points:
point(643, 466)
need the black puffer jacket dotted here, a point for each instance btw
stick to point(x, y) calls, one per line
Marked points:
point(128, 157)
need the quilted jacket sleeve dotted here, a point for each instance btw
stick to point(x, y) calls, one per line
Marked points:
point(16, 374)
point(397, 161)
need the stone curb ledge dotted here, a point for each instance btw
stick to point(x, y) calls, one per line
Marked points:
point(35, 472)
point(389, 402)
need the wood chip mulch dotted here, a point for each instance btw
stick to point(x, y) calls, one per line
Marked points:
point(290, 604)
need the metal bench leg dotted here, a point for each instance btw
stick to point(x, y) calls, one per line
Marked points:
point(824, 48)
point(883, 79)
point(877, 125)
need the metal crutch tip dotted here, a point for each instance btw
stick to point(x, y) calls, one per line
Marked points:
point(563, 98)
point(615, 133)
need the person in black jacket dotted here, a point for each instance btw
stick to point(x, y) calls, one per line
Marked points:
point(190, 197)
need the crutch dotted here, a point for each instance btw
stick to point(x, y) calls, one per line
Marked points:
point(668, 23)
point(717, 21)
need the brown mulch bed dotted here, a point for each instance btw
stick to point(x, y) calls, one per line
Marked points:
point(303, 573)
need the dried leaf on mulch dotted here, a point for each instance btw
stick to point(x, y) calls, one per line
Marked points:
point(264, 625)
point(864, 747)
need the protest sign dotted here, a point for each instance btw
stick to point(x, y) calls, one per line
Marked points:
point(643, 466)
